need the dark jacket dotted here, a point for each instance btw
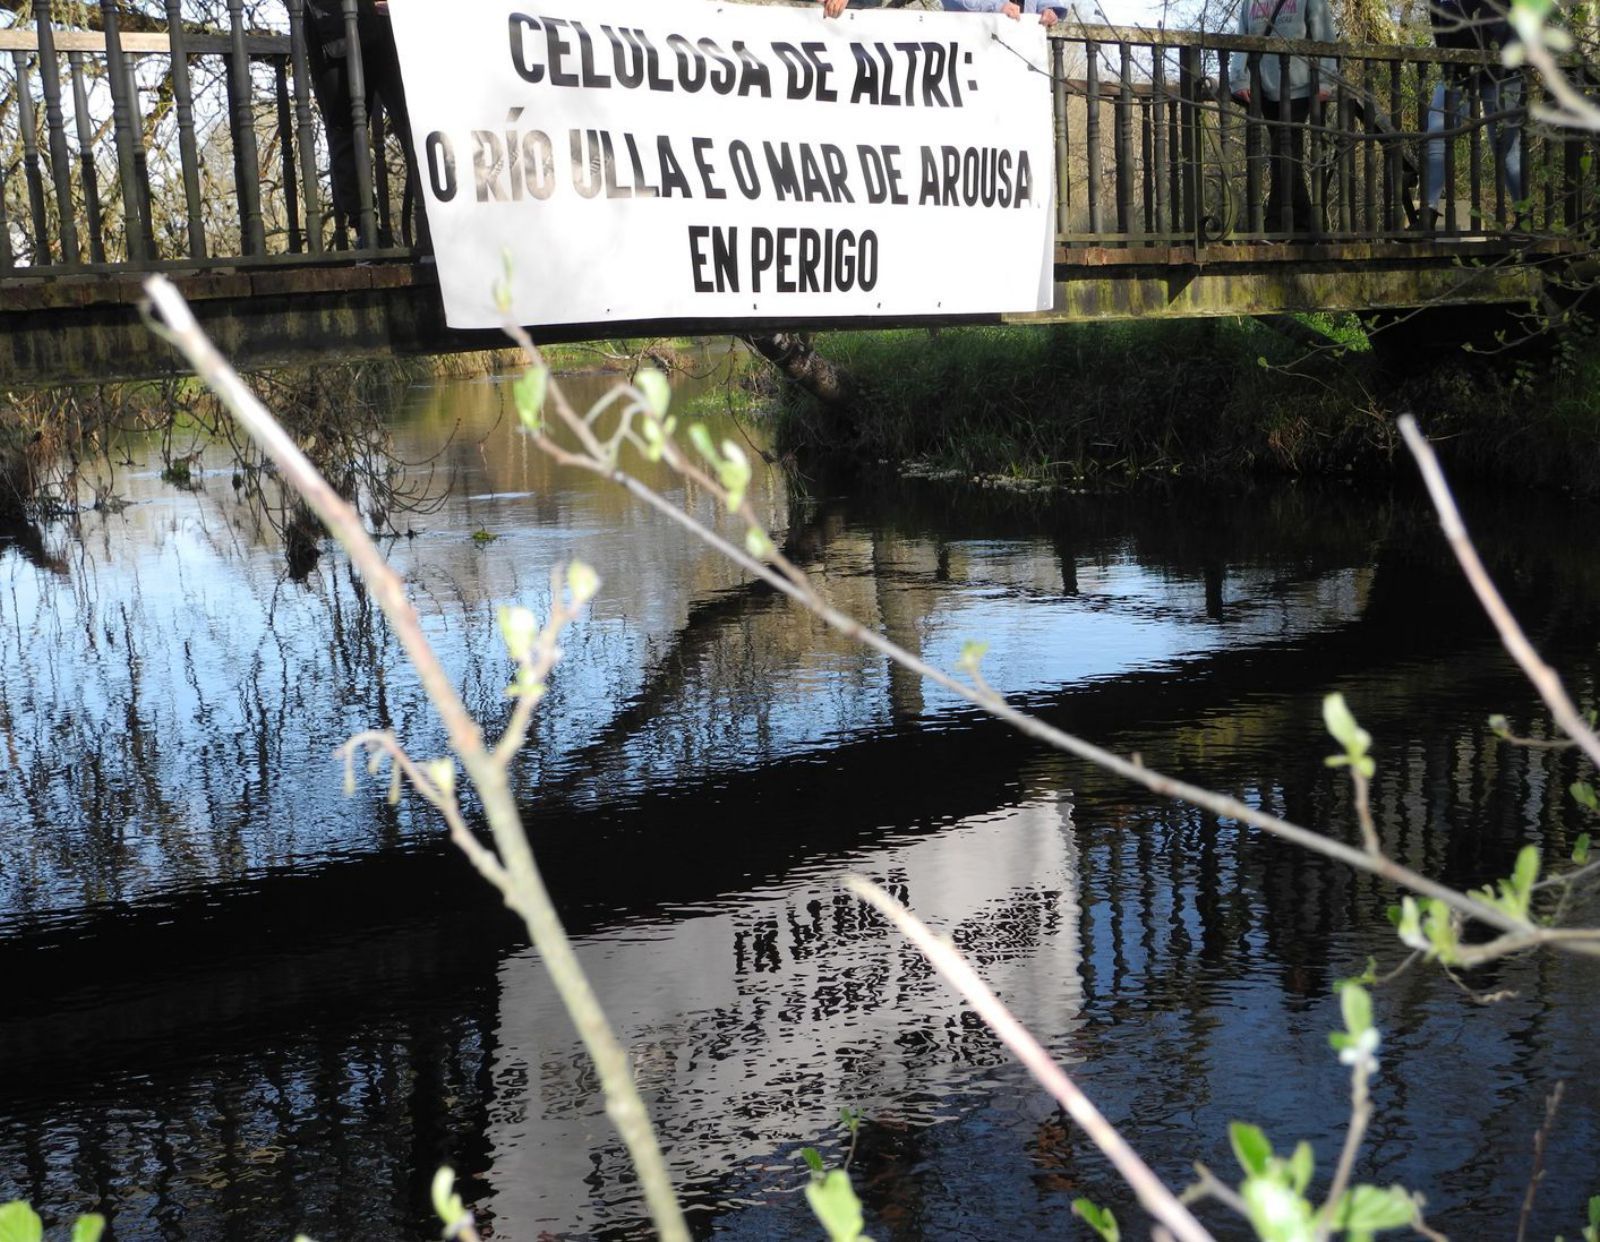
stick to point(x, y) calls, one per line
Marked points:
point(1472, 25)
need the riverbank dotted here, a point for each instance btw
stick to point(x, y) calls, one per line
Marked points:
point(1113, 404)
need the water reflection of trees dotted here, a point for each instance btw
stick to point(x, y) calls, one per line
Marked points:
point(316, 1119)
point(173, 717)
point(66, 450)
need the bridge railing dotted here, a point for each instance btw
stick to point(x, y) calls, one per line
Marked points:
point(1154, 148)
point(174, 148)
point(186, 148)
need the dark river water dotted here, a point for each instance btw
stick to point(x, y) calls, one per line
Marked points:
point(237, 1004)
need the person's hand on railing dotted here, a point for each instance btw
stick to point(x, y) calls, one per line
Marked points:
point(1048, 18)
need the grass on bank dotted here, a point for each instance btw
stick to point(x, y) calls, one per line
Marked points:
point(1116, 402)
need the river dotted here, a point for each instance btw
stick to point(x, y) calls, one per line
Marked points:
point(241, 1004)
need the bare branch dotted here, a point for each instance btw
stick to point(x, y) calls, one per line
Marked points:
point(1543, 677)
point(1160, 1202)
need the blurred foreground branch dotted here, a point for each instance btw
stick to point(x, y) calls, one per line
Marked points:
point(511, 866)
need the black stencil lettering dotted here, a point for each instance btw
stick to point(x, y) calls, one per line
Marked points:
point(700, 147)
point(441, 160)
point(526, 69)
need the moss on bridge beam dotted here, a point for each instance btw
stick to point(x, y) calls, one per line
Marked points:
point(87, 328)
point(1254, 280)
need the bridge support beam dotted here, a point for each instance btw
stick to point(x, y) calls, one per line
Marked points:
point(75, 329)
point(1274, 280)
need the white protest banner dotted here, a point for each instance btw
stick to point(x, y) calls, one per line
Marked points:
point(685, 159)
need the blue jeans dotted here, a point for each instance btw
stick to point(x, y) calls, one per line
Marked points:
point(1505, 137)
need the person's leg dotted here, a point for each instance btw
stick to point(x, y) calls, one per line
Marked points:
point(1433, 164)
point(1280, 171)
point(1505, 136)
point(1305, 220)
point(330, 83)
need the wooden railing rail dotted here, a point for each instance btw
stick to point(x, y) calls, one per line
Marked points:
point(145, 150)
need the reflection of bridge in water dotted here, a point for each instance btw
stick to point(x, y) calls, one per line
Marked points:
point(198, 154)
point(278, 1044)
point(751, 1023)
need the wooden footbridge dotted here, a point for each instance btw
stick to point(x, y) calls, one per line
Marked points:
point(199, 153)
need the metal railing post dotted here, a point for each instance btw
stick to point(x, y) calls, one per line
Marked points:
point(1122, 142)
point(31, 169)
point(55, 123)
point(183, 93)
point(309, 184)
point(1059, 103)
point(124, 123)
point(1092, 131)
point(247, 156)
point(1158, 140)
point(89, 174)
point(367, 229)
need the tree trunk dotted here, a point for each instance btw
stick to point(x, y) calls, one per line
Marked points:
point(792, 353)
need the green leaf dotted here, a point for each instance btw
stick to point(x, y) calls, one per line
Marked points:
point(526, 686)
point(582, 583)
point(1526, 872)
point(1369, 976)
point(518, 628)
point(655, 434)
point(813, 1159)
point(655, 389)
point(1301, 1165)
point(1516, 893)
point(1356, 1005)
point(20, 1223)
point(734, 473)
point(701, 439)
point(88, 1228)
point(972, 653)
point(758, 544)
point(529, 394)
point(1355, 740)
point(1368, 1209)
point(1430, 927)
point(1102, 1220)
point(1584, 793)
point(1580, 849)
point(442, 772)
point(447, 1204)
point(1339, 721)
point(834, 1201)
point(1277, 1212)
point(1250, 1146)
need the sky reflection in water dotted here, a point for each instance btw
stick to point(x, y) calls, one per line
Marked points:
point(297, 1050)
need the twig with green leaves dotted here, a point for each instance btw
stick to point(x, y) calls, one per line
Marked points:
point(638, 415)
point(510, 865)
